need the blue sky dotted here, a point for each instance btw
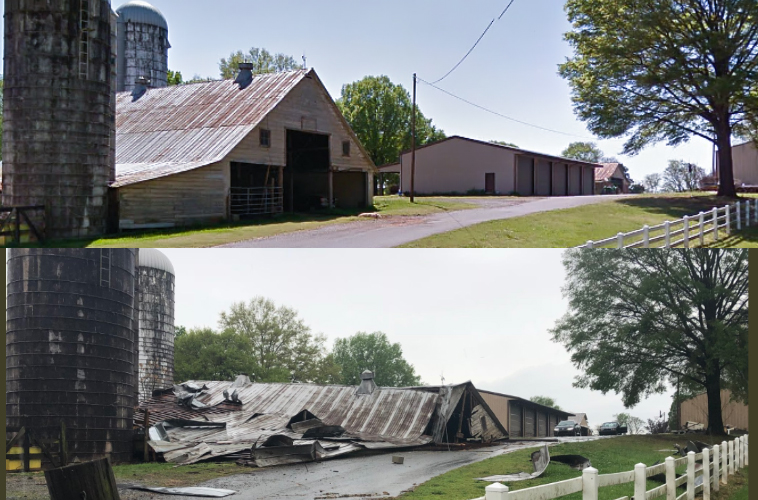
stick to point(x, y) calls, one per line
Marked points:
point(513, 70)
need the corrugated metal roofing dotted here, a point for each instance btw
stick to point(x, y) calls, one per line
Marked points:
point(605, 172)
point(180, 128)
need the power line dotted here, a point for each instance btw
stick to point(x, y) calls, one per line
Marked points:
point(477, 42)
point(504, 116)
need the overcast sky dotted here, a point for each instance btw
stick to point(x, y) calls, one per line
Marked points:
point(479, 315)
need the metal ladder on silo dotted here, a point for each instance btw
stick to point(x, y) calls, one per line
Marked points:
point(105, 267)
point(84, 40)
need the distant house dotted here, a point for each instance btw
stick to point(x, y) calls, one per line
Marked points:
point(521, 417)
point(458, 165)
point(733, 413)
point(745, 164)
point(211, 151)
point(611, 177)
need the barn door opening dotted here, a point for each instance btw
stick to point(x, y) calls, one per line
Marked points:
point(307, 180)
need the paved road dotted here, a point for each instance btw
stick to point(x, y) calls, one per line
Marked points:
point(361, 477)
point(394, 231)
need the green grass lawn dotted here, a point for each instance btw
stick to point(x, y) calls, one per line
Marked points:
point(389, 206)
point(575, 226)
point(607, 455)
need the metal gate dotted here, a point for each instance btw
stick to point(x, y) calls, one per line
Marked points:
point(514, 428)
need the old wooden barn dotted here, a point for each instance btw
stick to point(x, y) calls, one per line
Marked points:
point(220, 150)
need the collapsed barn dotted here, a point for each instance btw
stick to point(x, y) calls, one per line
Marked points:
point(273, 424)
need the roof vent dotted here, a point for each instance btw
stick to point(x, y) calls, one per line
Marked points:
point(367, 383)
point(140, 87)
point(245, 77)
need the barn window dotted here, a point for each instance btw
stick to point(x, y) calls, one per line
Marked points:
point(345, 148)
point(265, 138)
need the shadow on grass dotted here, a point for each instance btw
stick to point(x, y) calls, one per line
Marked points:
point(677, 206)
point(746, 238)
point(321, 216)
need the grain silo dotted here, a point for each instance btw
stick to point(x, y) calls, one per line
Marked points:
point(156, 322)
point(70, 347)
point(58, 117)
point(142, 45)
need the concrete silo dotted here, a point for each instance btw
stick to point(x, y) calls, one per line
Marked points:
point(70, 347)
point(156, 322)
point(58, 117)
point(143, 45)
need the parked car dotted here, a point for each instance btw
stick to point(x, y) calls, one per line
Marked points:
point(567, 428)
point(612, 429)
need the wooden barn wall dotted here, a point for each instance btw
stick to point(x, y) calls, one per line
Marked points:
point(197, 196)
point(733, 413)
point(306, 108)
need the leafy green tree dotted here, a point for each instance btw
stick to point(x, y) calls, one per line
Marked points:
point(503, 143)
point(584, 151)
point(283, 348)
point(174, 78)
point(373, 351)
point(665, 70)
point(179, 331)
point(681, 176)
point(203, 354)
point(263, 62)
point(634, 425)
point(545, 401)
point(652, 182)
point(640, 320)
point(380, 114)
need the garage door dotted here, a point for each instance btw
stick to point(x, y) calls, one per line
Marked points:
point(525, 176)
point(575, 186)
point(514, 428)
point(543, 178)
point(528, 423)
point(552, 422)
point(589, 180)
point(559, 179)
point(541, 425)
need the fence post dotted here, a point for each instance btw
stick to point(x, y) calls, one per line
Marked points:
point(747, 214)
point(716, 224)
point(731, 457)
point(670, 478)
point(620, 240)
point(739, 453)
point(496, 491)
point(640, 480)
point(702, 228)
point(646, 236)
point(690, 476)
point(590, 244)
point(667, 228)
point(747, 449)
point(728, 225)
point(724, 461)
point(686, 231)
point(739, 217)
point(716, 458)
point(590, 485)
point(706, 474)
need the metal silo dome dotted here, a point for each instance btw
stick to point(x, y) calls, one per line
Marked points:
point(141, 12)
point(156, 322)
point(150, 257)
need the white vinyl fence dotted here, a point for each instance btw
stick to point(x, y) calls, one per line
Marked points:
point(717, 465)
point(718, 222)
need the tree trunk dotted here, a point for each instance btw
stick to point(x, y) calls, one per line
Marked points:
point(715, 418)
point(87, 481)
point(726, 173)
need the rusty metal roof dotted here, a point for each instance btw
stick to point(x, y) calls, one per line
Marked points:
point(184, 127)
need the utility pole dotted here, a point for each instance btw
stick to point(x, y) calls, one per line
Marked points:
point(413, 144)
